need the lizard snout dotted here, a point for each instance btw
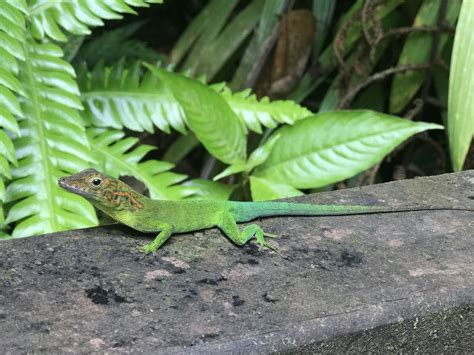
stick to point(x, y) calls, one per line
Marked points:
point(62, 182)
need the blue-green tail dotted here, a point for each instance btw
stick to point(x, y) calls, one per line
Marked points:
point(246, 211)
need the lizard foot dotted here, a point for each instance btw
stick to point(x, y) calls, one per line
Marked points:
point(260, 235)
point(148, 249)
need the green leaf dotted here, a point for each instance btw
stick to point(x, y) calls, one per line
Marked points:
point(214, 18)
point(257, 113)
point(12, 33)
point(260, 155)
point(12, 37)
point(119, 97)
point(257, 51)
point(417, 50)
point(235, 168)
point(209, 190)
point(461, 88)
point(6, 147)
point(116, 157)
point(323, 11)
point(353, 32)
point(49, 16)
point(334, 146)
point(263, 189)
point(217, 53)
point(52, 144)
point(333, 94)
point(116, 44)
point(208, 115)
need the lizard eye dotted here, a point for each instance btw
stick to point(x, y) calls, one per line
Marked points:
point(96, 182)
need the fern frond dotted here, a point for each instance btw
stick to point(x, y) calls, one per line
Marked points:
point(257, 113)
point(116, 156)
point(119, 97)
point(12, 37)
point(52, 144)
point(48, 17)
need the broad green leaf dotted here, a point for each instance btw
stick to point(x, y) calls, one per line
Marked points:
point(334, 146)
point(263, 189)
point(417, 50)
point(119, 156)
point(208, 115)
point(461, 88)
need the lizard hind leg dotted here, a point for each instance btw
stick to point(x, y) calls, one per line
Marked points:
point(229, 226)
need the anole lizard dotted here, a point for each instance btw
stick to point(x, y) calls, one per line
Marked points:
point(135, 210)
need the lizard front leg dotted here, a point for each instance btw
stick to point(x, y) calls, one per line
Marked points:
point(229, 226)
point(166, 231)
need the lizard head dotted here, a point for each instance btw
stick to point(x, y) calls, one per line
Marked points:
point(100, 189)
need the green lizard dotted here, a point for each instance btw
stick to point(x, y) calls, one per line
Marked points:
point(135, 210)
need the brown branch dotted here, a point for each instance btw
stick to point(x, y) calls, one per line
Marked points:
point(338, 44)
point(349, 96)
point(411, 29)
point(418, 106)
point(441, 63)
point(435, 102)
point(365, 21)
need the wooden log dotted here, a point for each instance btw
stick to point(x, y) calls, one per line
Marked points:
point(387, 282)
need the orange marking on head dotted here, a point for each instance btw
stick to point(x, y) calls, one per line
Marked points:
point(130, 197)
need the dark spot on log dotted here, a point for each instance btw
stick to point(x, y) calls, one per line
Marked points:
point(210, 336)
point(98, 295)
point(41, 326)
point(214, 280)
point(269, 298)
point(236, 301)
point(178, 270)
point(350, 259)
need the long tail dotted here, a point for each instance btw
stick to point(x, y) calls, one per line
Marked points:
point(246, 211)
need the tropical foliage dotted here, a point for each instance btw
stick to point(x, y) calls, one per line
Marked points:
point(72, 99)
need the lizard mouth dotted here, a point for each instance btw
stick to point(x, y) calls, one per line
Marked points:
point(69, 186)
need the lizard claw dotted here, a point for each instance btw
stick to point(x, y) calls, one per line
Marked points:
point(269, 246)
